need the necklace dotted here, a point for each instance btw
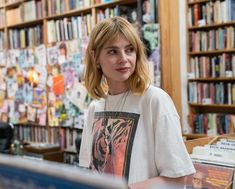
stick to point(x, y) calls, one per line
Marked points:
point(113, 120)
point(118, 105)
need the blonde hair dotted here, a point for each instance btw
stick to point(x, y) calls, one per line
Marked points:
point(104, 32)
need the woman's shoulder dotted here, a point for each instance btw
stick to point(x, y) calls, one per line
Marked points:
point(95, 104)
point(156, 92)
point(159, 99)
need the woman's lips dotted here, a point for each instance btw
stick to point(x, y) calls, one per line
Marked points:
point(122, 69)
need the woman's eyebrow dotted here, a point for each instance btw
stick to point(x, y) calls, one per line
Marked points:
point(111, 47)
point(116, 47)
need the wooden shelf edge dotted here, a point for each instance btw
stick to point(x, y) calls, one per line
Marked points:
point(11, 5)
point(197, 2)
point(194, 135)
point(88, 9)
point(26, 24)
point(70, 151)
point(210, 26)
point(113, 3)
point(212, 79)
point(211, 52)
point(212, 105)
point(69, 13)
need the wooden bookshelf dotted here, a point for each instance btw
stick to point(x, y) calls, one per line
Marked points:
point(92, 9)
point(211, 48)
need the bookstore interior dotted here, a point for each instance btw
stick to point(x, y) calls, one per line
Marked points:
point(190, 46)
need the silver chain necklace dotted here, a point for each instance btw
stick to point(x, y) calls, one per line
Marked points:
point(119, 105)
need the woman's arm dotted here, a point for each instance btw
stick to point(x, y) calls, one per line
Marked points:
point(160, 182)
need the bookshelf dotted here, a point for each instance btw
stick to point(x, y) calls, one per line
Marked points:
point(211, 66)
point(32, 34)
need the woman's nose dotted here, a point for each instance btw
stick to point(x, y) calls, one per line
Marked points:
point(123, 57)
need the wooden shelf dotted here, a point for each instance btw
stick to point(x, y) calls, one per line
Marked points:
point(30, 124)
point(211, 26)
point(69, 127)
point(113, 3)
point(200, 53)
point(26, 24)
point(70, 151)
point(13, 5)
point(194, 135)
point(207, 33)
point(74, 12)
point(213, 79)
point(213, 105)
point(197, 2)
point(212, 108)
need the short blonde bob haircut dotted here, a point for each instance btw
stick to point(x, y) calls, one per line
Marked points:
point(107, 31)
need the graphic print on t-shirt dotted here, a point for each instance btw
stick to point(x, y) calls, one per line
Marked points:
point(113, 137)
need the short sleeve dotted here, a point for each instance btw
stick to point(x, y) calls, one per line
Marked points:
point(86, 143)
point(171, 157)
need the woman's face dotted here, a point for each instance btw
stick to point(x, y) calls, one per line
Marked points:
point(117, 60)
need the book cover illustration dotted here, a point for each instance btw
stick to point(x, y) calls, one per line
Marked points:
point(31, 114)
point(39, 97)
point(3, 59)
point(3, 78)
point(58, 85)
point(12, 57)
point(209, 176)
point(52, 55)
point(62, 48)
point(151, 34)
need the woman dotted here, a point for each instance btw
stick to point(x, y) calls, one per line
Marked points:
point(132, 130)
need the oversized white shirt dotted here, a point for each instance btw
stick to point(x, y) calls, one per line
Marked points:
point(140, 141)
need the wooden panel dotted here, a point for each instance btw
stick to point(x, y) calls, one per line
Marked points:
point(190, 144)
point(170, 50)
point(175, 54)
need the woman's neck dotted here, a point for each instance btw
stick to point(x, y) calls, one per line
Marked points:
point(117, 90)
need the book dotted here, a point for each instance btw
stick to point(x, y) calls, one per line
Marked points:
point(209, 176)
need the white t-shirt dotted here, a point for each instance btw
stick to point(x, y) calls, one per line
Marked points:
point(141, 141)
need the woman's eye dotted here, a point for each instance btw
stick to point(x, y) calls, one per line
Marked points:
point(130, 50)
point(112, 51)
